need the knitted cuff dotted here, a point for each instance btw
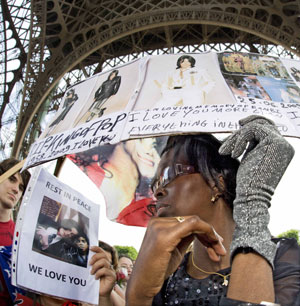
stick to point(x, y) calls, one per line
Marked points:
point(252, 219)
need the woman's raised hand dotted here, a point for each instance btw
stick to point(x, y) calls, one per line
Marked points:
point(164, 245)
point(266, 155)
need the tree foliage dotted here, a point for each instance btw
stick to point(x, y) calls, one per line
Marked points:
point(292, 233)
point(127, 250)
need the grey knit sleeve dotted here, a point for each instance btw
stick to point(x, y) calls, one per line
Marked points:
point(265, 157)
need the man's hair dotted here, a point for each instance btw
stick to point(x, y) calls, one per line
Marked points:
point(8, 163)
point(113, 251)
point(69, 224)
point(201, 152)
point(116, 72)
point(182, 58)
point(86, 238)
point(83, 235)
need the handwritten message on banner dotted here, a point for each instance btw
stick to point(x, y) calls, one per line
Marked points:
point(175, 93)
point(164, 121)
point(55, 228)
point(212, 118)
point(103, 131)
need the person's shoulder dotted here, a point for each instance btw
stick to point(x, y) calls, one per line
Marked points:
point(285, 241)
point(285, 245)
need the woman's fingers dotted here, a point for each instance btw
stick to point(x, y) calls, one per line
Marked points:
point(193, 225)
point(213, 255)
point(178, 232)
point(213, 243)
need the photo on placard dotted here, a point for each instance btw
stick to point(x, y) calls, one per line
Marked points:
point(269, 66)
point(236, 63)
point(295, 72)
point(124, 172)
point(293, 67)
point(61, 233)
point(69, 100)
point(112, 92)
point(183, 80)
point(246, 86)
point(281, 90)
point(70, 106)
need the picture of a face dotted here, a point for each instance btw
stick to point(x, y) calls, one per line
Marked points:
point(185, 64)
point(67, 233)
point(82, 244)
point(144, 154)
point(112, 76)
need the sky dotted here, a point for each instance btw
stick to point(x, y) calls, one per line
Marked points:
point(284, 211)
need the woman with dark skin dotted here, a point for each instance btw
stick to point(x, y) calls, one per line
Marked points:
point(222, 207)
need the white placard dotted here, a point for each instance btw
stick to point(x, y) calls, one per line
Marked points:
point(47, 255)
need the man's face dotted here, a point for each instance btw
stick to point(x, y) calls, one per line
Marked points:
point(67, 233)
point(11, 191)
point(82, 244)
point(144, 154)
point(185, 64)
point(112, 76)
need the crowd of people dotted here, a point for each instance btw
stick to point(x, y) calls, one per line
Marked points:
point(208, 241)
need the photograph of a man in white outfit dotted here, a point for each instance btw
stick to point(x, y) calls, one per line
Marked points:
point(186, 85)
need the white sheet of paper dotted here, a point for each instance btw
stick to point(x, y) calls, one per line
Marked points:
point(57, 274)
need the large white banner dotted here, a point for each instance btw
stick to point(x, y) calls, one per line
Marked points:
point(56, 226)
point(170, 94)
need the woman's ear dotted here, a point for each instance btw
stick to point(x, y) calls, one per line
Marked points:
point(220, 187)
point(221, 182)
point(217, 191)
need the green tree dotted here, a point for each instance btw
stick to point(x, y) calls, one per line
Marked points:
point(127, 250)
point(292, 233)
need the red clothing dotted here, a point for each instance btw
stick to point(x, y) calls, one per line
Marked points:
point(6, 239)
point(136, 213)
point(7, 233)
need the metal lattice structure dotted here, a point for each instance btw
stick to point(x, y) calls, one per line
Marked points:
point(61, 42)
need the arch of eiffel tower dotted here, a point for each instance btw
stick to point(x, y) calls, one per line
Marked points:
point(48, 45)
